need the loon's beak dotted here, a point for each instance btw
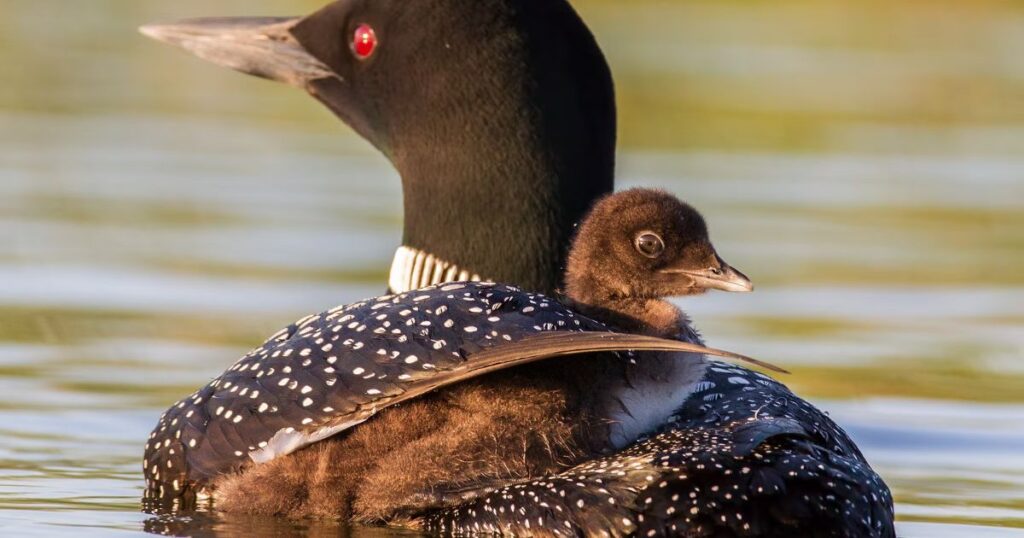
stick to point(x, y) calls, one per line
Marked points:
point(724, 277)
point(260, 46)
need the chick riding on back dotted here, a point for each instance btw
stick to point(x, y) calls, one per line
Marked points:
point(237, 438)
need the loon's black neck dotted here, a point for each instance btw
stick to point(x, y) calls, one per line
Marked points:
point(511, 220)
point(511, 166)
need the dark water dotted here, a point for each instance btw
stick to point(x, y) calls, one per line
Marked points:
point(862, 161)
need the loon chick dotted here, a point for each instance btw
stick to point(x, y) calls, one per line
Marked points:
point(499, 116)
point(327, 373)
point(638, 247)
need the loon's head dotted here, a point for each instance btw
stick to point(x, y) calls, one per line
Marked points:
point(646, 244)
point(499, 115)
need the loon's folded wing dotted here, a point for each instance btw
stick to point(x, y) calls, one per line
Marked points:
point(329, 372)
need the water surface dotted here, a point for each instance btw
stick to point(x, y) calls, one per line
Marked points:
point(863, 162)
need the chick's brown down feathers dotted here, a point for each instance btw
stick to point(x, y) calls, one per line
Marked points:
point(415, 452)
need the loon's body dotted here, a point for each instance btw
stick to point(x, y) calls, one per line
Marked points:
point(499, 116)
point(328, 373)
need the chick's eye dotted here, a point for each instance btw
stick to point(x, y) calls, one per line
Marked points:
point(649, 244)
point(364, 41)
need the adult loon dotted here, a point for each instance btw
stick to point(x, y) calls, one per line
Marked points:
point(522, 99)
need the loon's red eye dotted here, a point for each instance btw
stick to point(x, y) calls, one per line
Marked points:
point(364, 41)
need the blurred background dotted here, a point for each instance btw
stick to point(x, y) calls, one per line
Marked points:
point(861, 160)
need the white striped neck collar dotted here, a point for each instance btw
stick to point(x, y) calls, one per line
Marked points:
point(413, 269)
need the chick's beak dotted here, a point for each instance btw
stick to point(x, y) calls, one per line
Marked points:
point(258, 46)
point(724, 277)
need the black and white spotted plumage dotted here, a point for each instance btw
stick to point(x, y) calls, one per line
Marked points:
point(743, 456)
point(328, 372)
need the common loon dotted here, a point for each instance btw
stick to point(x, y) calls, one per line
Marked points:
point(499, 116)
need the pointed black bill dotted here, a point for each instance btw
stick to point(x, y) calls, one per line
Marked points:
point(259, 46)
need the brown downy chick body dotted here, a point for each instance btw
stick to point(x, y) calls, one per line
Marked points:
point(410, 455)
point(634, 249)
